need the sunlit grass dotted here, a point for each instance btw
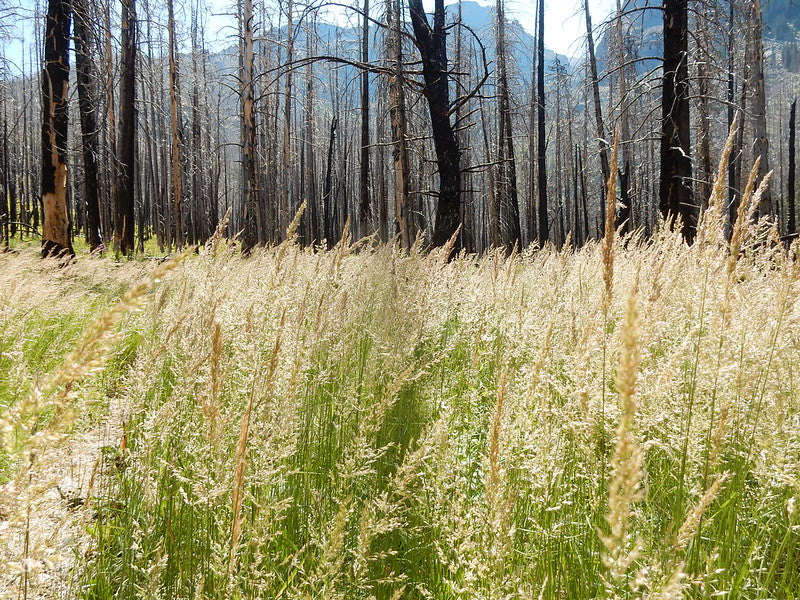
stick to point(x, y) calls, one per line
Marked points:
point(374, 424)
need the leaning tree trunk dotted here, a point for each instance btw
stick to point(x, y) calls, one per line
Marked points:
point(432, 45)
point(675, 193)
point(124, 223)
point(55, 110)
point(87, 103)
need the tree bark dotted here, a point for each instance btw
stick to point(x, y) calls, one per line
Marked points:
point(598, 108)
point(761, 142)
point(675, 193)
point(55, 117)
point(509, 200)
point(126, 155)
point(247, 127)
point(792, 223)
point(175, 129)
point(87, 102)
point(432, 45)
point(541, 158)
point(364, 199)
point(397, 116)
point(285, 210)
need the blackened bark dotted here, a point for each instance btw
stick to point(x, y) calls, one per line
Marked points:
point(176, 127)
point(792, 224)
point(675, 193)
point(397, 115)
point(432, 45)
point(87, 103)
point(248, 127)
point(598, 110)
point(364, 200)
point(55, 87)
point(623, 222)
point(124, 216)
point(509, 199)
point(732, 208)
point(327, 191)
point(759, 109)
point(541, 156)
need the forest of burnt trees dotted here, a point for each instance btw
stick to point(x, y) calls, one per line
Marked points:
point(120, 125)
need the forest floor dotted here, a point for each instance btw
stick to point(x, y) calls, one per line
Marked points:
point(618, 421)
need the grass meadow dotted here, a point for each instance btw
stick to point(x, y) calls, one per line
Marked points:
point(618, 421)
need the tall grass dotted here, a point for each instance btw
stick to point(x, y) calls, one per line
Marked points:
point(377, 424)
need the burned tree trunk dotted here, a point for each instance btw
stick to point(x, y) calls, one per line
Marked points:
point(175, 130)
point(55, 86)
point(87, 102)
point(432, 45)
point(756, 76)
point(598, 109)
point(364, 199)
point(541, 156)
point(675, 193)
point(397, 115)
point(247, 126)
point(509, 200)
point(124, 217)
point(792, 223)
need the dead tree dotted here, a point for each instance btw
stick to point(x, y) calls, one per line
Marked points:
point(541, 156)
point(675, 193)
point(55, 88)
point(598, 109)
point(175, 129)
point(363, 176)
point(507, 166)
point(126, 154)
point(759, 111)
point(87, 104)
point(397, 116)
point(432, 45)
point(247, 126)
point(792, 224)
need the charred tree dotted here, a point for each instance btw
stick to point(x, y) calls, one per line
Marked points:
point(397, 116)
point(55, 118)
point(598, 109)
point(509, 200)
point(432, 45)
point(87, 104)
point(247, 127)
point(675, 192)
point(126, 154)
point(791, 210)
point(759, 109)
point(541, 156)
point(363, 176)
point(175, 129)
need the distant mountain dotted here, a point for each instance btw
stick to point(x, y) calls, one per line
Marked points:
point(344, 41)
point(644, 31)
point(521, 43)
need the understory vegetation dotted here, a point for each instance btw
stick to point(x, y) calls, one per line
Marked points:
point(618, 421)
